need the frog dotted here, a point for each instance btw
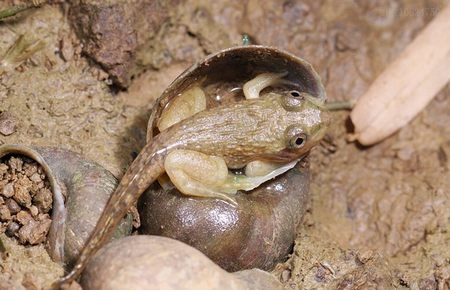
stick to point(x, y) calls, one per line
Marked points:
point(264, 134)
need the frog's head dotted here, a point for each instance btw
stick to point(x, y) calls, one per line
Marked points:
point(306, 122)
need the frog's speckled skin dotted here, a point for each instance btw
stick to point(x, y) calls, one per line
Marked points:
point(241, 132)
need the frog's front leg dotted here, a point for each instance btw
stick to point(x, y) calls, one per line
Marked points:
point(198, 174)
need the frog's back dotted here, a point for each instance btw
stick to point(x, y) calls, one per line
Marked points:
point(237, 132)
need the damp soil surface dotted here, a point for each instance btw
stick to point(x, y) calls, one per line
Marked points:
point(379, 216)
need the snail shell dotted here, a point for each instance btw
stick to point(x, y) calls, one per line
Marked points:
point(152, 262)
point(237, 65)
point(80, 189)
point(260, 230)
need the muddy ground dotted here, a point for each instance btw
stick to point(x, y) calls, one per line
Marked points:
point(380, 216)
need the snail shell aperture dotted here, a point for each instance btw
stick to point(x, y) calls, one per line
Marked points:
point(80, 188)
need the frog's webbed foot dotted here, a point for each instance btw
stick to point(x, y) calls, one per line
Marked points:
point(260, 168)
point(198, 174)
point(253, 87)
point(258, 172)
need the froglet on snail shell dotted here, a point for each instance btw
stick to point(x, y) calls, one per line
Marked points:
point(276, 128)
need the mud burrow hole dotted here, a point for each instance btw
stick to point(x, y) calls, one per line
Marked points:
point(25, 200)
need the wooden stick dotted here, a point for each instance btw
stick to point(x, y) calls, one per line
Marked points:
point(407, 85)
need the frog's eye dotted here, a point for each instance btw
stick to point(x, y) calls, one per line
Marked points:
point(296, 94)
point(291, 103)
point(298, 140)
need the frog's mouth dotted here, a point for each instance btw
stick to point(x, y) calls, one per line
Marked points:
point(287, 155)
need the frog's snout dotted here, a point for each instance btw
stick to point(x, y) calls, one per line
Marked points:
point(319, 123)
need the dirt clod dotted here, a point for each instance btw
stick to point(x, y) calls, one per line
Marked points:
point(26, 199)
point(285, 275)
point(12, 229)
point(43, 199)
point(8, 190)
point(7, 123)
point(24, 217)
point(5, 215)
point(34, 232)
point(13, 206)
point(22, 194)
point(15, 164)
point(113, 34)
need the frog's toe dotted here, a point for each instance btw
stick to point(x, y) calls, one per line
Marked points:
point(196, 189)
point(253, 87)
point(222, 196)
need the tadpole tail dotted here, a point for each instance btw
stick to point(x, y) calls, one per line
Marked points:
point(144, 170)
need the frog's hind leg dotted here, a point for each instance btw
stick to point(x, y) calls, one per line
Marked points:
point(189, 103)
point(198, 174)
point(253, 87)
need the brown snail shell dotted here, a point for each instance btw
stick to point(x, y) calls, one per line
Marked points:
point(238, 65)
point(80, 189)
point(260, 230)
point(152, 262)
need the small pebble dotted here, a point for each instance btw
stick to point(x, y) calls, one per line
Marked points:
point(34, 232)
point(3, 168)
point(25, 232)
point(8, 190)
point(22, 191)
point(7, 124)
point(23, 197)
point(66, 48)
point(13, 206)
point(12, 229)
point(29, 169)
point(43, 199)
point(15, 164)
point(5, 214)
point(23, 217)
point(365, 256)
point(34, 210)
point(285, 276)
point(36, 177)
point(43, 216)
